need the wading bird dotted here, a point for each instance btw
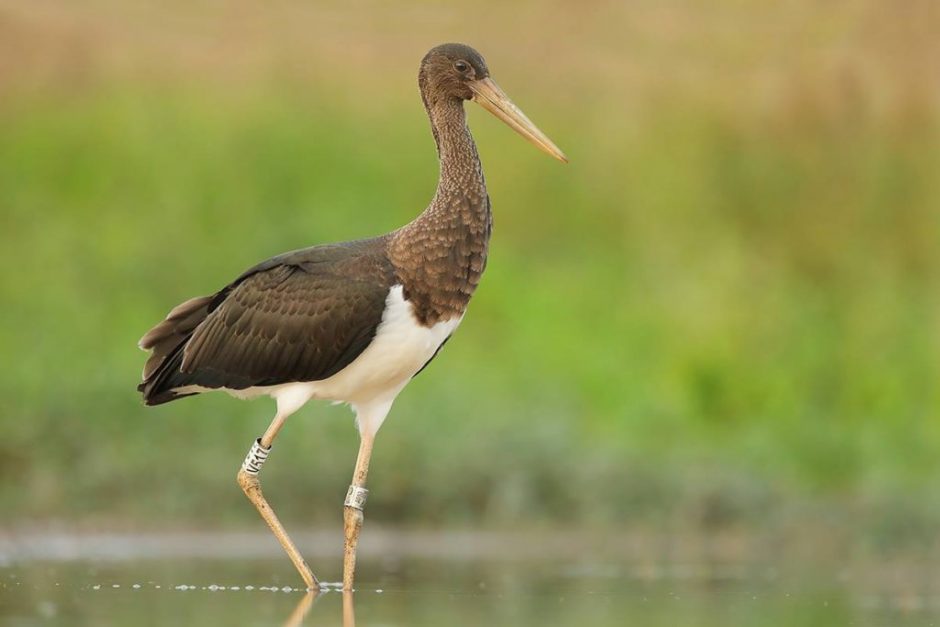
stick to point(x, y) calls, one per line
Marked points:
point(350, 322)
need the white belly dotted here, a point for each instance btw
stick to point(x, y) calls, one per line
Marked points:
point(401, 347)
point(399, 350)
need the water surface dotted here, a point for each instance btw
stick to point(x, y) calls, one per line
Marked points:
point(415, 591)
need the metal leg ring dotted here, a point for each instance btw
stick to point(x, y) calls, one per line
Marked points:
point(356, 497)
point(256, 457)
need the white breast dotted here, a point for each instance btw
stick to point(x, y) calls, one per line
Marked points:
point(401, 347)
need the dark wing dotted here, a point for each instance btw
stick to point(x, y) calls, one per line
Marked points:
point(303, 316)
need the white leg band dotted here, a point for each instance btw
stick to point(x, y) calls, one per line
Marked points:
point(356, 497)
point(255, 458)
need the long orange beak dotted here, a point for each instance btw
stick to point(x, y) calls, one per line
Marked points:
point(488, 95)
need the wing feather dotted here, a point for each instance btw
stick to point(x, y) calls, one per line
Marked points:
point(280, 326)
point(303, 316)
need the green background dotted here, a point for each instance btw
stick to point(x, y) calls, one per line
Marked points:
point(722, 314)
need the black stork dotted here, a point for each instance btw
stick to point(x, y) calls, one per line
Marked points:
point(350, 322)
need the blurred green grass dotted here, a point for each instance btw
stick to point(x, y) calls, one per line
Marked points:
point(713, 316)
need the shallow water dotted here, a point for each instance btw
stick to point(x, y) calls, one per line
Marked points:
point(412, 592)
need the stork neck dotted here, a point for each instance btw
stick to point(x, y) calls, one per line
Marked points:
point(461, 171)
point(440, 256)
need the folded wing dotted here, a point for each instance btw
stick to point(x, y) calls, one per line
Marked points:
point(300, 317)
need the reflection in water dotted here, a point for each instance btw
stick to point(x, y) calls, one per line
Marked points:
point(303, 606)
point(300, 612)
point(349, 614)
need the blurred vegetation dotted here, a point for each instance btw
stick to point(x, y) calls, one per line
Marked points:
point(725, 311)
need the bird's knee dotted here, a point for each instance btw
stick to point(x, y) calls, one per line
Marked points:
point(247, 481)
point(248, 473)
point(352, 510)
point(352, 523)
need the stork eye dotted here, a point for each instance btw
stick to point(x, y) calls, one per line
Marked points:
point(461, 66)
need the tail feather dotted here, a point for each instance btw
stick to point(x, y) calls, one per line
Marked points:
point(166, 341)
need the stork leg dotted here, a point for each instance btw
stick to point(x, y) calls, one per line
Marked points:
point(352, 512)
point(251, 485)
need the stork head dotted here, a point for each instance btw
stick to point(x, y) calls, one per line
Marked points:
point(458, 72)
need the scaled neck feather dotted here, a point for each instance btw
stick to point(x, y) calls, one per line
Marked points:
point(440, 256)
point(460, 168)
